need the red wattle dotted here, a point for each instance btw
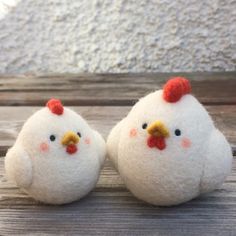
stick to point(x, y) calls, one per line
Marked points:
point(157, 142)
point(71, 149)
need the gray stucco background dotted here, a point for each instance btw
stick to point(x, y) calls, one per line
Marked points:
point(118, 36)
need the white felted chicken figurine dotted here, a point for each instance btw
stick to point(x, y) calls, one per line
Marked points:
point(167, 149)
point(57, 157)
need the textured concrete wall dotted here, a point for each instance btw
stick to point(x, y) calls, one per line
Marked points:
point(118, 36)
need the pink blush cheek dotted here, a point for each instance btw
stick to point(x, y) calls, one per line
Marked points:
point(186, 143)
point(87, 141)
point(44, 147)
point(133, 133)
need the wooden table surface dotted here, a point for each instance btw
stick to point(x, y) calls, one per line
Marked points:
point(110, 209)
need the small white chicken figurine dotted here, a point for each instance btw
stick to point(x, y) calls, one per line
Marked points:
point(57, 157)
point(167, 149)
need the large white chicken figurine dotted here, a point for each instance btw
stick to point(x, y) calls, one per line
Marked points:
point(167, 149)
point(57, 157)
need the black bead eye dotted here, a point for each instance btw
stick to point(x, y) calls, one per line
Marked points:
point(79, 134)
point(52, 137)
point(144, 126)
point(177, 132)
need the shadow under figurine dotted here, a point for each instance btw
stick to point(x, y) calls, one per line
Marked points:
point(167, 149)
point(57, 157)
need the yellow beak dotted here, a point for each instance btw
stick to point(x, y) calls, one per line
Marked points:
point(70, 138)
point(158, 129)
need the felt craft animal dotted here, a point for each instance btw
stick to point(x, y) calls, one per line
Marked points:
point(167, 149)
point(57, 157)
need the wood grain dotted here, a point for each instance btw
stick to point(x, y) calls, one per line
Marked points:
point(103, 119)
point(112, 210)
point(110, 89)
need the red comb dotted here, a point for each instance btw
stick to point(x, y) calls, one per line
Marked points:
point(55, 106)
point(175, 88)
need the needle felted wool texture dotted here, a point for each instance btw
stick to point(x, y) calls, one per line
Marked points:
point(167, 149)
point(57, 157)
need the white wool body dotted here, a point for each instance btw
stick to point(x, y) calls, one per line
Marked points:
point(55, 176)
point(176, 174)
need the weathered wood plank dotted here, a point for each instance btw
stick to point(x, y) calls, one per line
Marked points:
point(103, 89)
point(111, 210)
point(103, 119)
